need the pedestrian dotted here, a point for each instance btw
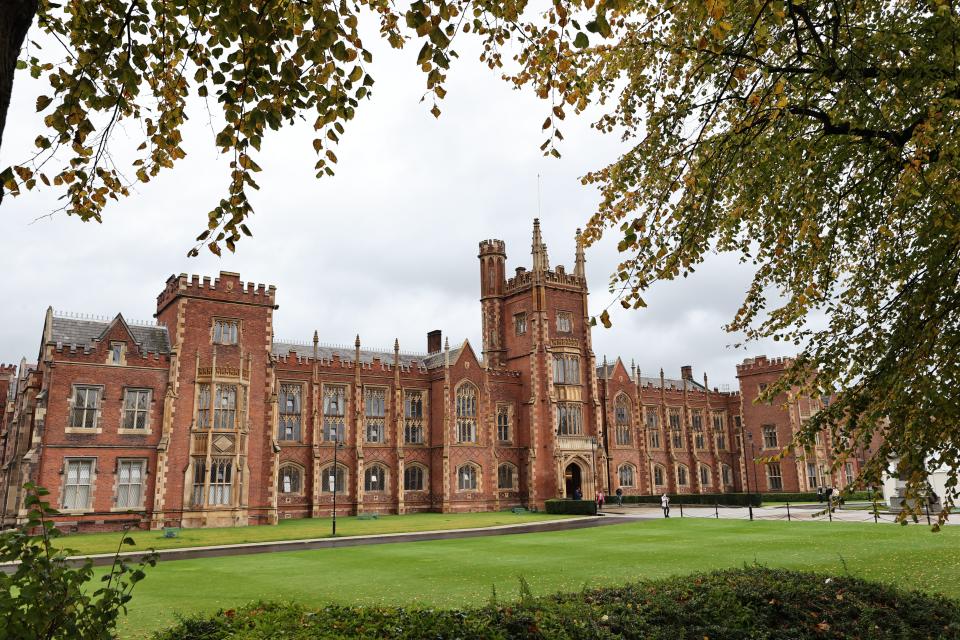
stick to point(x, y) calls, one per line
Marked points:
point(577, 494)
point(600, 500)
point(819, 494)
point(665, 505)
point(619, 496)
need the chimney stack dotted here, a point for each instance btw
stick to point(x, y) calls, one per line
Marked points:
point(686, 372)
point(434, 341)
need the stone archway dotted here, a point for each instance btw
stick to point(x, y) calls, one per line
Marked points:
point(573, 480)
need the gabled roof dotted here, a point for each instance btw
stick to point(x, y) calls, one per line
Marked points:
point(85, 331)
point(669, 383)
point(344, 352)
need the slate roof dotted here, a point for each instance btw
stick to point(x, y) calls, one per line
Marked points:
point(367, 356)
point(669, 383)
point(82, 332)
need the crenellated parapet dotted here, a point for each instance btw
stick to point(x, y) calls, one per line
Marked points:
point(226, 288)
point(763, 364)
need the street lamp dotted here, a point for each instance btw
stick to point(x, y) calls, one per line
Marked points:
point(333, 481)
point(752, 464)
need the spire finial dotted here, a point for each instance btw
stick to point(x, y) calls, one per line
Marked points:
point(396, 344)
point(539, 249)
point(357, 342)
point(316, 337)
point(579, 267)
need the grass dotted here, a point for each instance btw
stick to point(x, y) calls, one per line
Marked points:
point(305, 528)
point(454, 573)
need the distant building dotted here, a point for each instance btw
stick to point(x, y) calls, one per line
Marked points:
point(203, 418)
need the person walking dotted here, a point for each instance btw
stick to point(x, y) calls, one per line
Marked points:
point(619, 496)
point(665, 505)
point(600, 500)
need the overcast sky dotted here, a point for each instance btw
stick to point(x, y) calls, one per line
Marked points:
point(387, 248)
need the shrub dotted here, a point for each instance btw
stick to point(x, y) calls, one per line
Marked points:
point(811, 496)
point(725, 605)
point(46, 597)
point(574, 507)
point(723, 499)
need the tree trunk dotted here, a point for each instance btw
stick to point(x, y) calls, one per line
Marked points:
point(16, 16)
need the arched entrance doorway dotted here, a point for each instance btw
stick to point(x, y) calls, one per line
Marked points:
point(573, 480)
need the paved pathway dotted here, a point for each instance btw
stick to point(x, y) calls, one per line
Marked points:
point(798, 513)
point(186, 553)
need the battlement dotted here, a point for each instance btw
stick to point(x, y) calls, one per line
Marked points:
point(493, 247)
point(762, 364)
point(557, 276)
point(226, 288)
point(8, 369)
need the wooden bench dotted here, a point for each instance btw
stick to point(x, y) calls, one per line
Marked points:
point(519, 510)
point(368, 516)
point(170, 532)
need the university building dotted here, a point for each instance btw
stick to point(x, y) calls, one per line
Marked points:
point(203, 419)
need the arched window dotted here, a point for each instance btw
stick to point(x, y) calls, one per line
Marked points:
point(726, 474)
point(659, 476)
point(705, 473)
point(627, 474)
point(623, 419)
point(568, 419)
point(290, 479)
point(506, 476)
point(467, 477)
point(327, 476)
point(375, 478)
point(466, 413)
point(414, 478)
point(681, 475)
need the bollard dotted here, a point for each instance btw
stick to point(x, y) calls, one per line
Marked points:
point(830, 511)
point(681, 509)
point(716, 510)
point(926, 507)
point(750, 508)
point(876, 516)
point(788, 512)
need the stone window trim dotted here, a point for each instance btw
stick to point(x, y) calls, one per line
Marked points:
point(281, 484)
point(509, 472)
point(376, 407)
point(376, 478)
point(148, 423)
point(623, 420)
point(659, 475)
point(564, 322)
point(66, 484)
point(566, 368)
point(520, 323)
point(334, 415)
point(706, 475)
point(770, 436)
point(144, 485)
point(342, 470)
point(683, 475)
point(774, 477)
point(97, 410)
point(677, 439)
point(419, 423)
point(117, 353)
point(296, 417)
point(466, 413)
point(225, 331)
point(424, 476)
point(469, 478)
point(627, 475)
point(569, 420)
point(726, 475)
point(504, 423)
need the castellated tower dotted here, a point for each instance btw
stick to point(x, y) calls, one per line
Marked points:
point(536, 322)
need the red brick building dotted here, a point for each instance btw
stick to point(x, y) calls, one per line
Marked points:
point(202, 418)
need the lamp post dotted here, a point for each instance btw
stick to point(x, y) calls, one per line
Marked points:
point(333, 481)
point(593, 460)
point(749, 498)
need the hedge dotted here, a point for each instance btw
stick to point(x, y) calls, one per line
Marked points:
point(733, 604)
point(574, 507)
point(811, 496)
point(723, 499)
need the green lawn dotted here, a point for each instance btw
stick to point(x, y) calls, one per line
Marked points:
point(462, 572)
point(305, 528)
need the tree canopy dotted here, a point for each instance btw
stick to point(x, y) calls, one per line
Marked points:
point(817, 140)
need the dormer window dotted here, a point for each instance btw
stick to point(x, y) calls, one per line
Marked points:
point(226, 331)
point(116, 352)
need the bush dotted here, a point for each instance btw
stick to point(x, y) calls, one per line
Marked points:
point(724, 605)
point(811, 496)
point(722, 499)
point(46, 597)
point(573, 507)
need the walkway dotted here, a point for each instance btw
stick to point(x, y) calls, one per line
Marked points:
point(187, 553)
point(796, 513)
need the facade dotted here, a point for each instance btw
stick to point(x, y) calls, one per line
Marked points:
point(202, 418)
